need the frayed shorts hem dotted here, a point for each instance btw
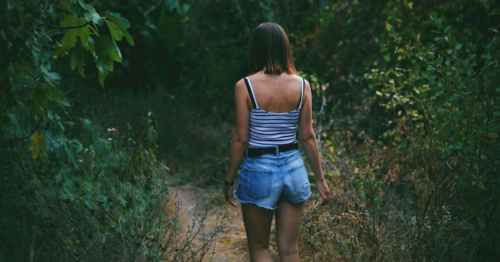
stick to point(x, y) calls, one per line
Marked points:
point(270, 208)
point(250, 202)
point(300, 201)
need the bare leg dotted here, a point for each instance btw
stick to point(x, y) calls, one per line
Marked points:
point(288, 219)
point(258, 226)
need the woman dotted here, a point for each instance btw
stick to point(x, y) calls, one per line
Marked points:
point(273, 178)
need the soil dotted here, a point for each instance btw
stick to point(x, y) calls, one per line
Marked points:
point(207, 207)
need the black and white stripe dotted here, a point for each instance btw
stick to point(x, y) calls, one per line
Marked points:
point(271, 129)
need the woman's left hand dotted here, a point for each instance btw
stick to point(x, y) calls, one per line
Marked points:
point(229, 194)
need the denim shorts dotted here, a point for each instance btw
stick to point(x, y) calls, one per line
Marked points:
point(265, 180)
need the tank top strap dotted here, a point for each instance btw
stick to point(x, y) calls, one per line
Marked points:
point(301, 94)
point(250, 92)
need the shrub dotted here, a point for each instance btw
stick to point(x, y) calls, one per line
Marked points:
point(429, 187)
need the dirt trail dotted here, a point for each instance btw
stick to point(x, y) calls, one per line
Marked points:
point(196, 203)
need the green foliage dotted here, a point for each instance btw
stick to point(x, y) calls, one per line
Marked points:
point(94, 198)
point(446, 100)
point(70, 191)
point(426, 185)
point(102, 47)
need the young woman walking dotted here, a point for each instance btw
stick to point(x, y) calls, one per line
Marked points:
point(273, 180)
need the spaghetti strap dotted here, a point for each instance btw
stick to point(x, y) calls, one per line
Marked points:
point(250, 92)
point(301, 94)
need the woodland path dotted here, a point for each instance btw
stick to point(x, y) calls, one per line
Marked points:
point(196, 202)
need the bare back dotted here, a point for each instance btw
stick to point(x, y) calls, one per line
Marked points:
point(281, 100)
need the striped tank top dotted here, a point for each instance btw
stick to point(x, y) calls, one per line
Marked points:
point(272, 129)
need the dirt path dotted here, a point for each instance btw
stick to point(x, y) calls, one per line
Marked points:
point(208, 207)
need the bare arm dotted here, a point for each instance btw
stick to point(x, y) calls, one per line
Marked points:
point(240, 137)
point(310, 145)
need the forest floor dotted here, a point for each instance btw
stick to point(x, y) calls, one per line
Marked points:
point(204, 206)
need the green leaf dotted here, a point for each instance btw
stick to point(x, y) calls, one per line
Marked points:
point(56, 94)
point(71, 21)
point(109, 64)
point(105, 53)
point(68, 42)
point(84, 34)
point(70, 38)
point(129, 38)
point(86, 6)
point(77, 61)
point(64, 102)
point(51, 77)
point(111, 48)
point(434, 15)
point(458, 145)
point(487, 56)
point(451, 39)
point(439, 60)
point(94, 17)
point(101, 77)
point(446, 29)
point(66, 5)
point(458, 46)
point(115, 30)
point(122, 22)
point(91, 15)
point(40, 99)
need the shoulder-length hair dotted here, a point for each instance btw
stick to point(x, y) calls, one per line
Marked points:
point(270, 50)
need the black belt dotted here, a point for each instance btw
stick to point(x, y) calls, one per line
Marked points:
point(270, 150)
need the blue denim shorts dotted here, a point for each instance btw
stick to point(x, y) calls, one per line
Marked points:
point(265, 180)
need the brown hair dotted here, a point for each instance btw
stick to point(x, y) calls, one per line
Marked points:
point(270, 50)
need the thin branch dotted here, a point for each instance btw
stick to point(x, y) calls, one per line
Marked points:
point(151, 9)
point(68, 27)
point(32, 132)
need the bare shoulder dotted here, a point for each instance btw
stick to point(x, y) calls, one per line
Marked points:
point(240, 87)
point(294, 76)
point(240, 84)
point(307, 86)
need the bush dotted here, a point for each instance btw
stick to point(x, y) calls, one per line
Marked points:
point(428, 188)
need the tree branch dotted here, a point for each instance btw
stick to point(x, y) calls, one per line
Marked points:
point(69, 27)
point(22, 138)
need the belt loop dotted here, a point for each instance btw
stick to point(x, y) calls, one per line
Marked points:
point(277, 150)
point(246, 151)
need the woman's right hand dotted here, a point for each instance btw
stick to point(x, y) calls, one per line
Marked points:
point(229, 195)
point(324, 191)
